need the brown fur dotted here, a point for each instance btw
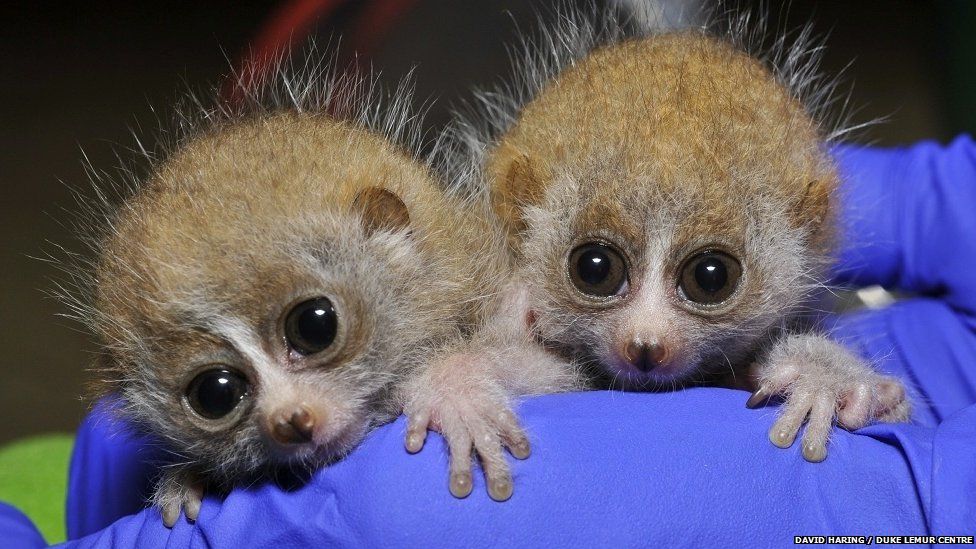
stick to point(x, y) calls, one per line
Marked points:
point(241, 223)
point(662, 146)
point(698, 109)
point(211, 209)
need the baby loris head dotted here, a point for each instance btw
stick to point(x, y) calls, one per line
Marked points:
point(671, 201)
point(262, 293)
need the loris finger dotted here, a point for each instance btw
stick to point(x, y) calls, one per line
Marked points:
point(171, 512)
point(893, 403)
point(513, 435)
point(819, 424)
point(778, 377)
point(417, 426)
point(854, 408)
point(795, 411)
point(460, 470)
point(497, 474)
point(192, 501)
point(775, 381)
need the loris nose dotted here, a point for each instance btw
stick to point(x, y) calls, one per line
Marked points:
point(292, 426)
point(645, 356)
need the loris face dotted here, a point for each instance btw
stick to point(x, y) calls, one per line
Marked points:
point(284, 356)
point(670, 198)
point(260, 298)
point(658, 276)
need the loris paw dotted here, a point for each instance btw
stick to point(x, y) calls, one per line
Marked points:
point(822, 382)
point(178, 490)
point(470, 412)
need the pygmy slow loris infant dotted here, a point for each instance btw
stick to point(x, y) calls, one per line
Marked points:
point(672, 209)
point(264, 295)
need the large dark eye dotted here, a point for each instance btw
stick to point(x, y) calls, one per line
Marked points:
point(709, 277)
point(215, 393)
point(597, 269)
point(311, 326)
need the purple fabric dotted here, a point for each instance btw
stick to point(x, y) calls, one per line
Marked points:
point(108, 455)
point(681, 468)
point(17, 531)
point(701, 469)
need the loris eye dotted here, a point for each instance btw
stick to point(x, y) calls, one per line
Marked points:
point(709, 277)
point(311, 326)
point(597, 269)
point(215, 393)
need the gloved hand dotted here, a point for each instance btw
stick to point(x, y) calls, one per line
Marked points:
point(910, 224)
point(685, 467)
point(17, 531)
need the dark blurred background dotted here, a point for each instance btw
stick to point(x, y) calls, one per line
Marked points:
point(81, 75)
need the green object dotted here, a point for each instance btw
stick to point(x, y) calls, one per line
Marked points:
point(34, 479)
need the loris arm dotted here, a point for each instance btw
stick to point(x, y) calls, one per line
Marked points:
point(907, 225)
point(822, 382)
point(467, 393)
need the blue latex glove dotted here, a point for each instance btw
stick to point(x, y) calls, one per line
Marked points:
point(17, 531)
point(686, 467)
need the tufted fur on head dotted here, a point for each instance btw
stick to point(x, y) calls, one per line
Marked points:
point(310, 187)
point(578, 29)
point(662, 144)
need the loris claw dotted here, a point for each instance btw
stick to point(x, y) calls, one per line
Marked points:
point(823, 383)
point(471, 411)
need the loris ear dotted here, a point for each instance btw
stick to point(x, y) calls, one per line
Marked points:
point(814, 207)
point(381, 210)
point(813, 211)
point(516, 184)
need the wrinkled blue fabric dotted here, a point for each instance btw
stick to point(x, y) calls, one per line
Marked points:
point(685, 468)
point(17, 531)
point(114, 465)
